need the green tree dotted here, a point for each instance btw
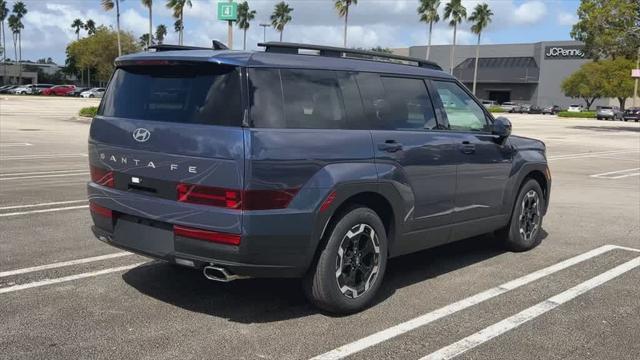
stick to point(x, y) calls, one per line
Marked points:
point(455, 12)
point(281, 16)
point(609, 28)
point(19, 11)
point(245, 15)
point(108, 5)
point(615, 79)
point(149, 4)
point(428, 12)
point(77, 24)
point(481, 17)
point(90, 26)
point(4, 12)
point(178, 13)
point(146, 41)
point(161, 32)
point(380, 49)
point(342, 6)
point(585, 83)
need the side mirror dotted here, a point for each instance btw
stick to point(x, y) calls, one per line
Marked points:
point(501, 127)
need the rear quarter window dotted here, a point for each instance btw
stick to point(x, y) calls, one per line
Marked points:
point(183, 93)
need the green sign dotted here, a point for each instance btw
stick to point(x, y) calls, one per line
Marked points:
point(227, 11)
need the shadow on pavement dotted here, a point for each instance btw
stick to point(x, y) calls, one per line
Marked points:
point(269, 300)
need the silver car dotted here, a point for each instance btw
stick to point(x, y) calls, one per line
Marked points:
point(609, 112)
point(93, 93)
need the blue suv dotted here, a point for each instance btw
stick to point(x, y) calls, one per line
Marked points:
point(304, 161)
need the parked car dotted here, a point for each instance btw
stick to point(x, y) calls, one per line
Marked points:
point(22, 89)
point(551, 110)
point(77, 91)
point(58, 90)
point(632, 114)
point(5, 88)
point(534, 109)
point(575, 108)
point(508, 106)
point(304, 167)
point(92, 93)
point(38, 88)
point(488, 103)
point(608, 112)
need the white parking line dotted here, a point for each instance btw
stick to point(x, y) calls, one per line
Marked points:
point(44, 210)
point(42, 204)
point(15, 144)
point(84, 172)
point(63, 264)
point(590, 154)
point(619, 174)
point(67, 278)
point(531, 313)
point(43, 172)
point(42, 156)
point(394, 331)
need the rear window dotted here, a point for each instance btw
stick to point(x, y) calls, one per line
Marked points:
point(184, 93)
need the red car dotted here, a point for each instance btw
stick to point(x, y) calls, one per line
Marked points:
point(59, 90)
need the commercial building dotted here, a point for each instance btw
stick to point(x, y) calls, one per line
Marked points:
point(522, 73)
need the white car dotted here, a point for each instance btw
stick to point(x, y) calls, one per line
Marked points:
point(24, 89)
point(93, 93)
point(575, 108)
point(508, 106)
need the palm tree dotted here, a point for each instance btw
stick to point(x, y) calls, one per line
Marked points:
point(428, 12)
point(77, 24)
point(481, 17)
point(456, 12)
point(108, 5)
point(161, 32)
point(20, 10)
point(15, 24)
point(245, 15)
point(149, 4)
point(343, 11)
point(281, 16)
point(90, 26)
point(178, 13)
point(4, 12)
point(146, 40)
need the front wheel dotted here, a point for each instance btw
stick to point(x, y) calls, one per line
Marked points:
point(523, 231)
point(350, 268)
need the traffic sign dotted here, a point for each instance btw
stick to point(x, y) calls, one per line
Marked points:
point(227, 11)
point(635, 73)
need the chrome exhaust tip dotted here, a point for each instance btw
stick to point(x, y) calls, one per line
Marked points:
point(217, 273)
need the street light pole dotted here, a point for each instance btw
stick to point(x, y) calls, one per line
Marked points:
point(230, 33)
point(635, 87)
point(264, 31)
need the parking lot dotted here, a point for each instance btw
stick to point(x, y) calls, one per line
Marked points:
point(64, 294)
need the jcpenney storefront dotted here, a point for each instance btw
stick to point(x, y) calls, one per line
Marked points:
point(523, 73)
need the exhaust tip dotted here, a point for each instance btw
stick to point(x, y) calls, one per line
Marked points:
point(217, 273)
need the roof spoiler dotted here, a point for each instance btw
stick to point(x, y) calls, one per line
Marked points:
point(330, 51)
point(215, 45)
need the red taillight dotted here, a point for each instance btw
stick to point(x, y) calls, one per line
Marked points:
point(235, 199)
point(99, 210)
point(328, 201)
point(102, 177)
point(207, 235)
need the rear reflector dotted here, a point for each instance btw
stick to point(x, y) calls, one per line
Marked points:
point(101, 176)
point(99, 210)
point(207, 235)
point(328, 201)
point(235, 199)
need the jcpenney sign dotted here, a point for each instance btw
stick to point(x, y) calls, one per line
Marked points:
point(564, 52)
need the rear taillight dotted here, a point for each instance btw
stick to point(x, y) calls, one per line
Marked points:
point(235, 199)
point(206, 235)
point(102, 177)
point(99, 210)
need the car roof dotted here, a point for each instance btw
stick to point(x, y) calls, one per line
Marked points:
point(258, 59)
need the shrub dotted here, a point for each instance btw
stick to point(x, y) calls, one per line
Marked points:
point(90, 111)
point(496, 109)
point(583, 114)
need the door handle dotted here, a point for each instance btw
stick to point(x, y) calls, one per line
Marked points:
point(467, 147)
point(390, 146)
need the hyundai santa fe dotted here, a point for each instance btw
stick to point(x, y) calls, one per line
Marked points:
point(304, 161)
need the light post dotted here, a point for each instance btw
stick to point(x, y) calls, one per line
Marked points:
point(264, 31)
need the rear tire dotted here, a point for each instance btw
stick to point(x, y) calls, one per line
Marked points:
point(350, 268)
point(523, 231)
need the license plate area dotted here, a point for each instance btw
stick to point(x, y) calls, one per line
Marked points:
point(148, 236)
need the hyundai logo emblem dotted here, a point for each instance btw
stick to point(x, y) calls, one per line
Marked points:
point(141, 134)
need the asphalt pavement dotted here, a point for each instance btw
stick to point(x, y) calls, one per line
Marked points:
point(64, 294)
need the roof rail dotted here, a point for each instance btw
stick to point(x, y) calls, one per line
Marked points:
point(331, 51)
point(216, 45)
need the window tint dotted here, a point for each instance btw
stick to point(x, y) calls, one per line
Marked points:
point(265, 95)
point(462, 112)
point(202, 94)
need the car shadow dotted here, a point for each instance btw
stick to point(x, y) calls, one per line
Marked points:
point(607, 128)
point(269, 300)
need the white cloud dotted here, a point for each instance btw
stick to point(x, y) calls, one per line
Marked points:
point(529, 12)
point(567, 19)
point(132, 20)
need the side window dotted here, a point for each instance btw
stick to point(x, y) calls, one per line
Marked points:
point(312, 99)
point(463, 113)
point(396, 103)
point(265, 95)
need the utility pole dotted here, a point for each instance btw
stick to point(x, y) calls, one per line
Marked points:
point(635, 87)
point(230, 33)
point(264, 31)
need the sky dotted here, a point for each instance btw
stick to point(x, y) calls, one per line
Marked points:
point(385, 23)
